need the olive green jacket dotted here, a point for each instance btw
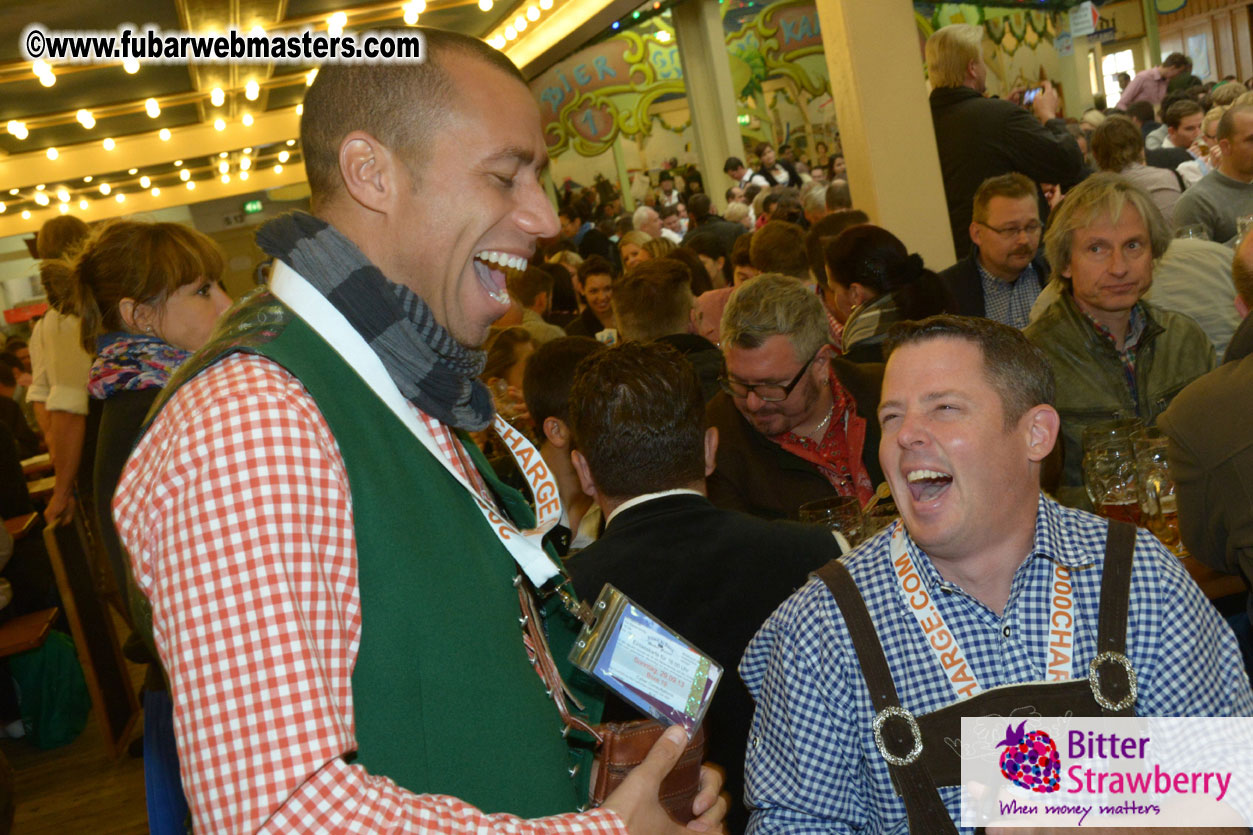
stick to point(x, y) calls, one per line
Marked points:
point(1091, 384)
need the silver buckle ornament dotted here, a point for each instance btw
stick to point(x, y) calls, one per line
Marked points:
point(1094, 680)
point(901, 713)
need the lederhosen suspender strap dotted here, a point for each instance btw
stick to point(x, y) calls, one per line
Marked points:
point(897, 733)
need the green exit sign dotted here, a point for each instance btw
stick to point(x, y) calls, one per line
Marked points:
point(743, 118)
point(252, 207)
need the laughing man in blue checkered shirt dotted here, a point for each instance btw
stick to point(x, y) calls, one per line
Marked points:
point(966, 424)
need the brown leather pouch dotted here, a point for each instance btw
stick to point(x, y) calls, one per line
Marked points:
point(625, 746)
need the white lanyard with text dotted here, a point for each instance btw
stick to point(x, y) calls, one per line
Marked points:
point(943, 643)
point(525, 547)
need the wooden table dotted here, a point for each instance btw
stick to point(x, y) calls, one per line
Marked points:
point(41, 488)
point(36, 464)
point(19, 526)
point(1213, 583)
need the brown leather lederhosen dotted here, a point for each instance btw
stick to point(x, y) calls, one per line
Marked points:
point(923, 752)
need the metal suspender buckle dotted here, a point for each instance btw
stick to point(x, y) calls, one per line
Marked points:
point(1094, 680)
point(901, 713)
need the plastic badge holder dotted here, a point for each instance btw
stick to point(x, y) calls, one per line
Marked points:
point(645, 662)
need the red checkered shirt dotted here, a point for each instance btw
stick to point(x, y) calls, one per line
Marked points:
point(236, 511)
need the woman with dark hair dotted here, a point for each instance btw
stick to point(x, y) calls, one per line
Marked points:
point(147, 295)
point(876, 283)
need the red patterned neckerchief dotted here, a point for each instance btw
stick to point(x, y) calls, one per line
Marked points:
point(838, 454)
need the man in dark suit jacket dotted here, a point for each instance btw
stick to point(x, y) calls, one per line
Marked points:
point(714, 576)
point(981, 137)
point(1005, 271)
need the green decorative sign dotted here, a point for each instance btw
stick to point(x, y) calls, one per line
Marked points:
point(252, 207)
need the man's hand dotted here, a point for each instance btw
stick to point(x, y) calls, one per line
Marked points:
point(1044, 105)
point(636, 800)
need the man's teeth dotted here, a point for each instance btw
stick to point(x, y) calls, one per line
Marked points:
point(516, 262)
point(924, 475)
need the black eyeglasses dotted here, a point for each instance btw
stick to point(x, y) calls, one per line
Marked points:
point(769, 392)
point(1011, 232)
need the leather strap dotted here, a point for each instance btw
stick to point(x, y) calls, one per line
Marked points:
point(917, 788)
point(1115, 681)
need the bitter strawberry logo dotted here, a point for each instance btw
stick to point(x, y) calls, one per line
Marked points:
point(1030, 759)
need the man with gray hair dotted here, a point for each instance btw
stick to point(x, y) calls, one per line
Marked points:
point(1113, 353)
point(980, 137)
point(796, 422)
point(647, 220)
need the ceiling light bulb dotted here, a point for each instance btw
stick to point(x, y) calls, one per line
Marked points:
point(82, 204)
point(545, 4)
point(510, 33)
point(40, 187)
point(87, 179)
point(109, 144)
point(85, 119)
point(310, 75)
point(300, 109)
point(52, 153)
point(144, 181)
point(64, 208)
point(252, 89)
point(283, 156)
point(164, 134)
point(41, 198)
point(121, 198)
point(223, 155)
point(224, 166)
point(663, 36)
point(485, 5)
point(1, 207)
point(290, 143)
point(184, 175)
point(410, 15)
point(245, 163)
point(131, 65)
point(243, 175)
point(519, 23)
point(40, 67)
point(219, 124)
point(217, 97)
point(156, 192)
point(178, 163)
point(191, 186)
point(335, 24)
point(278, 169)
point(532, 13)
point(17, 129)
point(132, 171)
point(25, 215)
point(105, 188)
point(48, 80)
point(153, 108)
point(226, 178)
point(12, 191)
point(63, 195)
point(247, 120)
point(498, 41)
point(248, 150)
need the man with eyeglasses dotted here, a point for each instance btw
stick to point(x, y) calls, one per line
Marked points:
point(796, 423)
point(1004, 272)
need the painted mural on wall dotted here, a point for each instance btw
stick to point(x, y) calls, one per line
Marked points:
point(1017, 44)
point(610, 88)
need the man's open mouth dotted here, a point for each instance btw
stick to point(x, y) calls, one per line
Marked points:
point(927, 485)
point(494, 269)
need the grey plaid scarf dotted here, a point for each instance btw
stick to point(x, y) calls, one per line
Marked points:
point(432, 370)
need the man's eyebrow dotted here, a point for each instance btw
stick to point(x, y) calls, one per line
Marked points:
point(520, 154)
point(926, 398)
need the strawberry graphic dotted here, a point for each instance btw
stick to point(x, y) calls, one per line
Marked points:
point(1030, 760)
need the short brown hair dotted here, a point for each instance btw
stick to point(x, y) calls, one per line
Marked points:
point(638, 417)
point(1117, 143)
point(1179, 111)
point(401, 105)
point(779, 247)
point(1017, 369)
point(146, 262)
point(526, 286)
point(1013, 186)
point(653, 299)
point(1179, 60)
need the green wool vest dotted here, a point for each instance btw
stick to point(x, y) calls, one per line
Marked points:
point(444, 697)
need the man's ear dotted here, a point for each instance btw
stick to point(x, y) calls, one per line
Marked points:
point(711, 450)
point(556, 431)
point(1042, 425)
point(369, 171)
point(976, 233)
point(585, 473)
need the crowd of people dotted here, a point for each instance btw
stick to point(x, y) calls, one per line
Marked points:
point(341, 488)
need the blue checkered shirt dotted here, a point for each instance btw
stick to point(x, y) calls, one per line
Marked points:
point(1009, 302)
point(812, 765)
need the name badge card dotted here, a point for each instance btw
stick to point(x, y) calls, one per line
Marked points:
point(645, 662)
